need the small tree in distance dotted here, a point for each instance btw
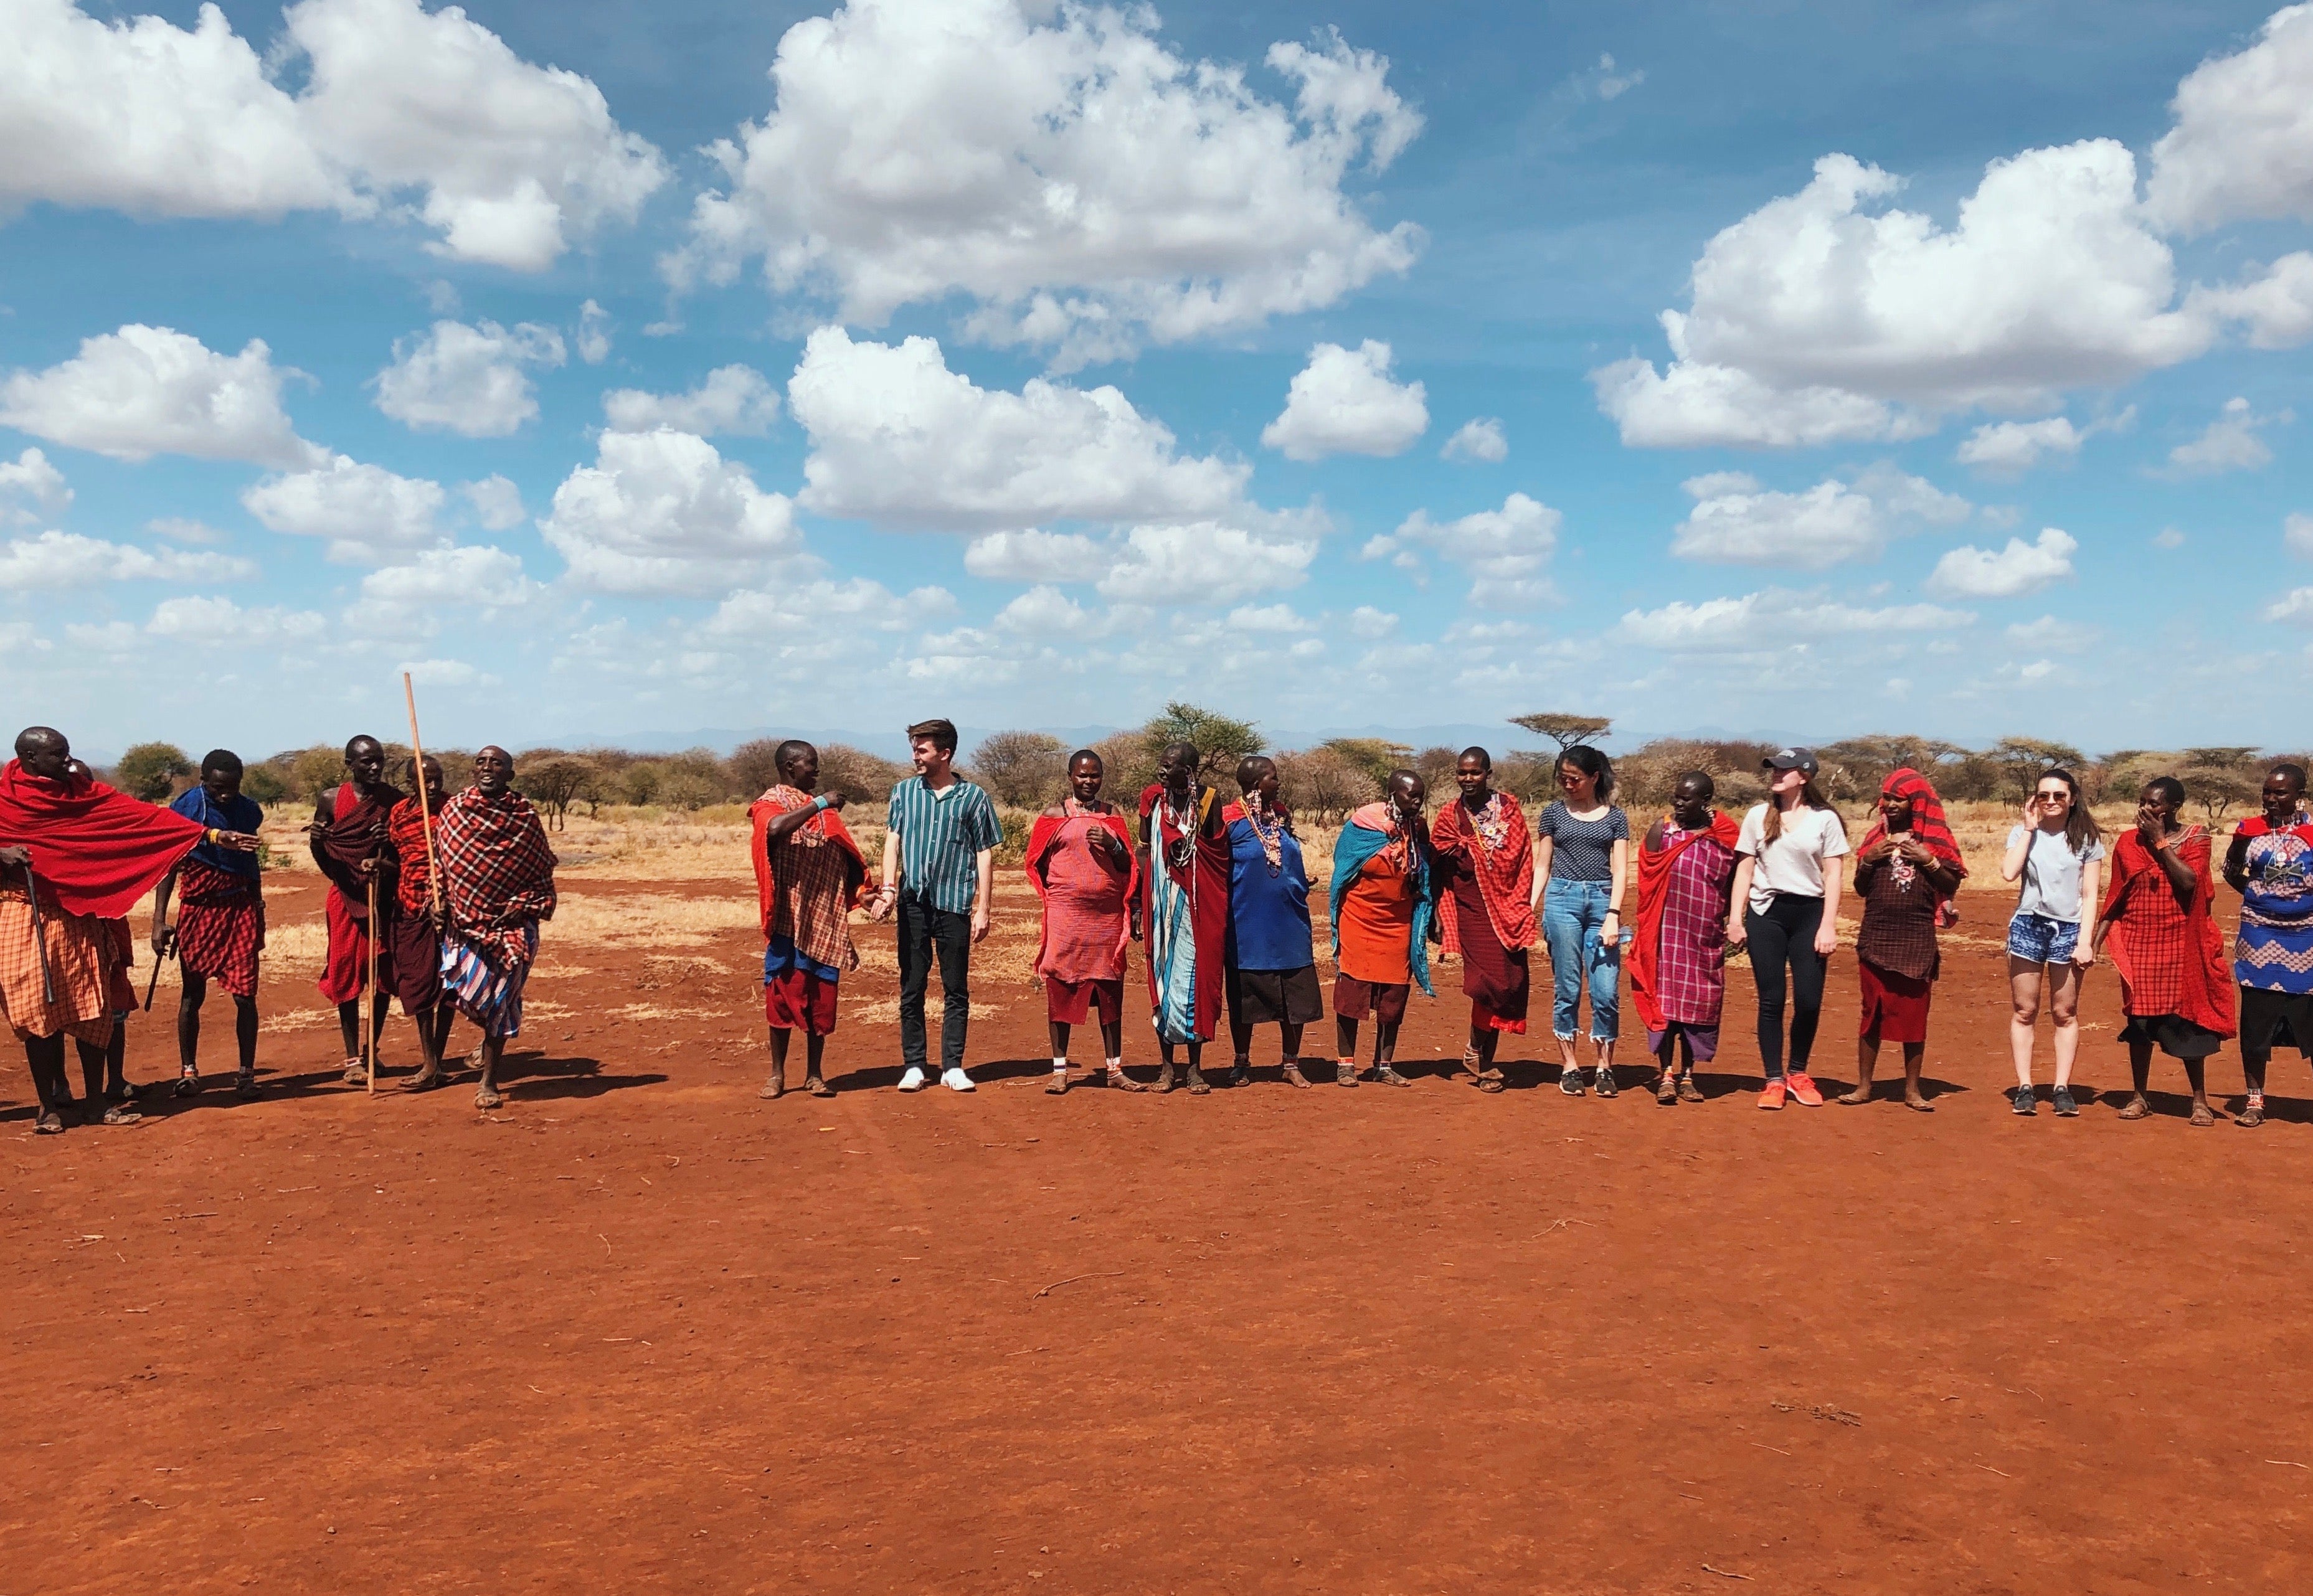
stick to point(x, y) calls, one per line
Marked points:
point(1220, 739)
point(1565, 730)
point(150, 770)
point(1023, 769)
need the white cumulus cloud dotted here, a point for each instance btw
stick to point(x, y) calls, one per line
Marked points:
point(1033, 555)
point(2228, 444)
point(473, 575)
point(1059, 165)
point(497, 502)
point(1822, 317)
point(468, 379)
point(663, 511)
point(2243, 141)
point(1344, 401)
point(68, 559)
point(594, 338)
point(899, 440)
point(1204, 563)
point(735, 400)
point(1503, 551)
point(1477, 440)
point(364, 511)
point(147, 391)
point(402, 109)
point(30, 477)
point(212, 621)
point(1735, 522)
point(1773, 620)
point(1971, 572)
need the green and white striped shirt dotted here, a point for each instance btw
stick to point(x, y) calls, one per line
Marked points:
point(940, 836)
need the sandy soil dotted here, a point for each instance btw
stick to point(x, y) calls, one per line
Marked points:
point(641, 1330)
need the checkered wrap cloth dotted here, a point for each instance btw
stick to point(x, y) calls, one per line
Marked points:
point(220, 926)
point(83, 959)
point(807, 882)
point(497, 872)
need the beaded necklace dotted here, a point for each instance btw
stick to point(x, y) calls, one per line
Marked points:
point(1272, 835)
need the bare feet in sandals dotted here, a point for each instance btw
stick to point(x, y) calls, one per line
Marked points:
point(817, 1087)
point(2135, 1108)
point(775, 1087)
point(488, 1097)
point(1120, 1081)
point(1293, 1075)
point(1059, 1084)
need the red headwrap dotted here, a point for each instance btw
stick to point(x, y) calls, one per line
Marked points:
point(1928, 825)
point(94, 849)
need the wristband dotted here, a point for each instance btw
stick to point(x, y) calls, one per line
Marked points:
point(819, 803)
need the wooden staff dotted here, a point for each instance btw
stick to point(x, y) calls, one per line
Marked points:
point(369, 996)
point(154, 981)
point(418, 779)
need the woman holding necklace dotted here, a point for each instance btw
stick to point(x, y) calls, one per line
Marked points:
point(1485, 866)
point(1786, 909)
point(1271, 954)
point(1185, 858)
point(1582, 864)
point(2156, 916)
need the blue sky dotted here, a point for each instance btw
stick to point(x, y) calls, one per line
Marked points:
point(1065, 360)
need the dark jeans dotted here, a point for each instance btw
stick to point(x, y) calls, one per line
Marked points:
point(1785, 936)
point(923, 930)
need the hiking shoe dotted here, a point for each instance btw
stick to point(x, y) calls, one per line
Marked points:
point(1688, 1092)
point(1803, 1089)
point(1569, 1079)
point(1666, 1090)
point(955, 1080)
point(2066, 1108)
point(912, 1078)
point(2020, 1101)
point(1602, 1082)
point(1772, 1095)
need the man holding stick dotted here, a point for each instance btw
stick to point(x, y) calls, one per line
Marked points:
point(349, 845)
point(497, 883)
point(220, 926)
point(74, 853)
point(415, 941)
point(808, 872)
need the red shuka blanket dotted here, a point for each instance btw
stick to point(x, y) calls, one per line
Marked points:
point(1654, 883)
point(1928, 824)
point(1087, 922)
point(497, 872)
point(822, 861)
point(1504, 875)
point(95, 850)
point(2171, 961)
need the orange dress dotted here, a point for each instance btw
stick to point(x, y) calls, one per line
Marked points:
point(1374, 919)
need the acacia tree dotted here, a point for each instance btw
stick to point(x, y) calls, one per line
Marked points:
point(1565, 730)
point(2217, 778)
point(2021, 760)
point(556, 782)
point(1220, 739)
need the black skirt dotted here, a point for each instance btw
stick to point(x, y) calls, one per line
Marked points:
point(1275, 997)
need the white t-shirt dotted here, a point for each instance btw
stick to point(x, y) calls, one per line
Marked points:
point(1793, 864)
point(2051, 875)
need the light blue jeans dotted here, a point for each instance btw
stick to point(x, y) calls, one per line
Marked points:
point(1571, 915)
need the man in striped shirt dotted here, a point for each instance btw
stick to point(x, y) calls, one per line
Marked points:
point(938, 872)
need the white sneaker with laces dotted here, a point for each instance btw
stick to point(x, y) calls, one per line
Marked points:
point(955, 1080)
point(913, 1080)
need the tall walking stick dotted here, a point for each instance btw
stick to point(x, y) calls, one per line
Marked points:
point(369, 997)
point(417, 780)
point(154, 981)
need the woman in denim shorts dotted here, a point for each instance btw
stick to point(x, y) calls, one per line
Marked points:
point(2055, 855)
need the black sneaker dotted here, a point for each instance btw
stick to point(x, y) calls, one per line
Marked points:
point(2021, 1101)
point(1602, 1082)
point(2066, 1108)
point(1569, 1079)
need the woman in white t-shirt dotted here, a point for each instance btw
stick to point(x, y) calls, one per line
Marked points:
point(1786, 907)
point(2057, 856)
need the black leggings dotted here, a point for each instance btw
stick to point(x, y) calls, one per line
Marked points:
point(1785, 936)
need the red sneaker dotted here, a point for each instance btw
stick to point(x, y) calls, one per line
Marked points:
point(1804, 1089)
point(1772, 1096)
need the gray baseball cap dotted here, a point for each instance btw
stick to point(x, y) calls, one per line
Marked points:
point(1791, 759)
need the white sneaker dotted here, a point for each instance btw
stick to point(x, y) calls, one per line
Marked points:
point(913, 1081)
point(955, 1080)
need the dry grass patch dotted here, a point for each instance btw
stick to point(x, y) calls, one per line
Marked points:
point(649, 920)
point(887, 1013)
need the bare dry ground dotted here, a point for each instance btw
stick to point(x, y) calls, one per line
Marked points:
point(643, 1330)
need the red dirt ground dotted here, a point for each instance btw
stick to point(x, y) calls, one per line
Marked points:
point(641, 1330)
